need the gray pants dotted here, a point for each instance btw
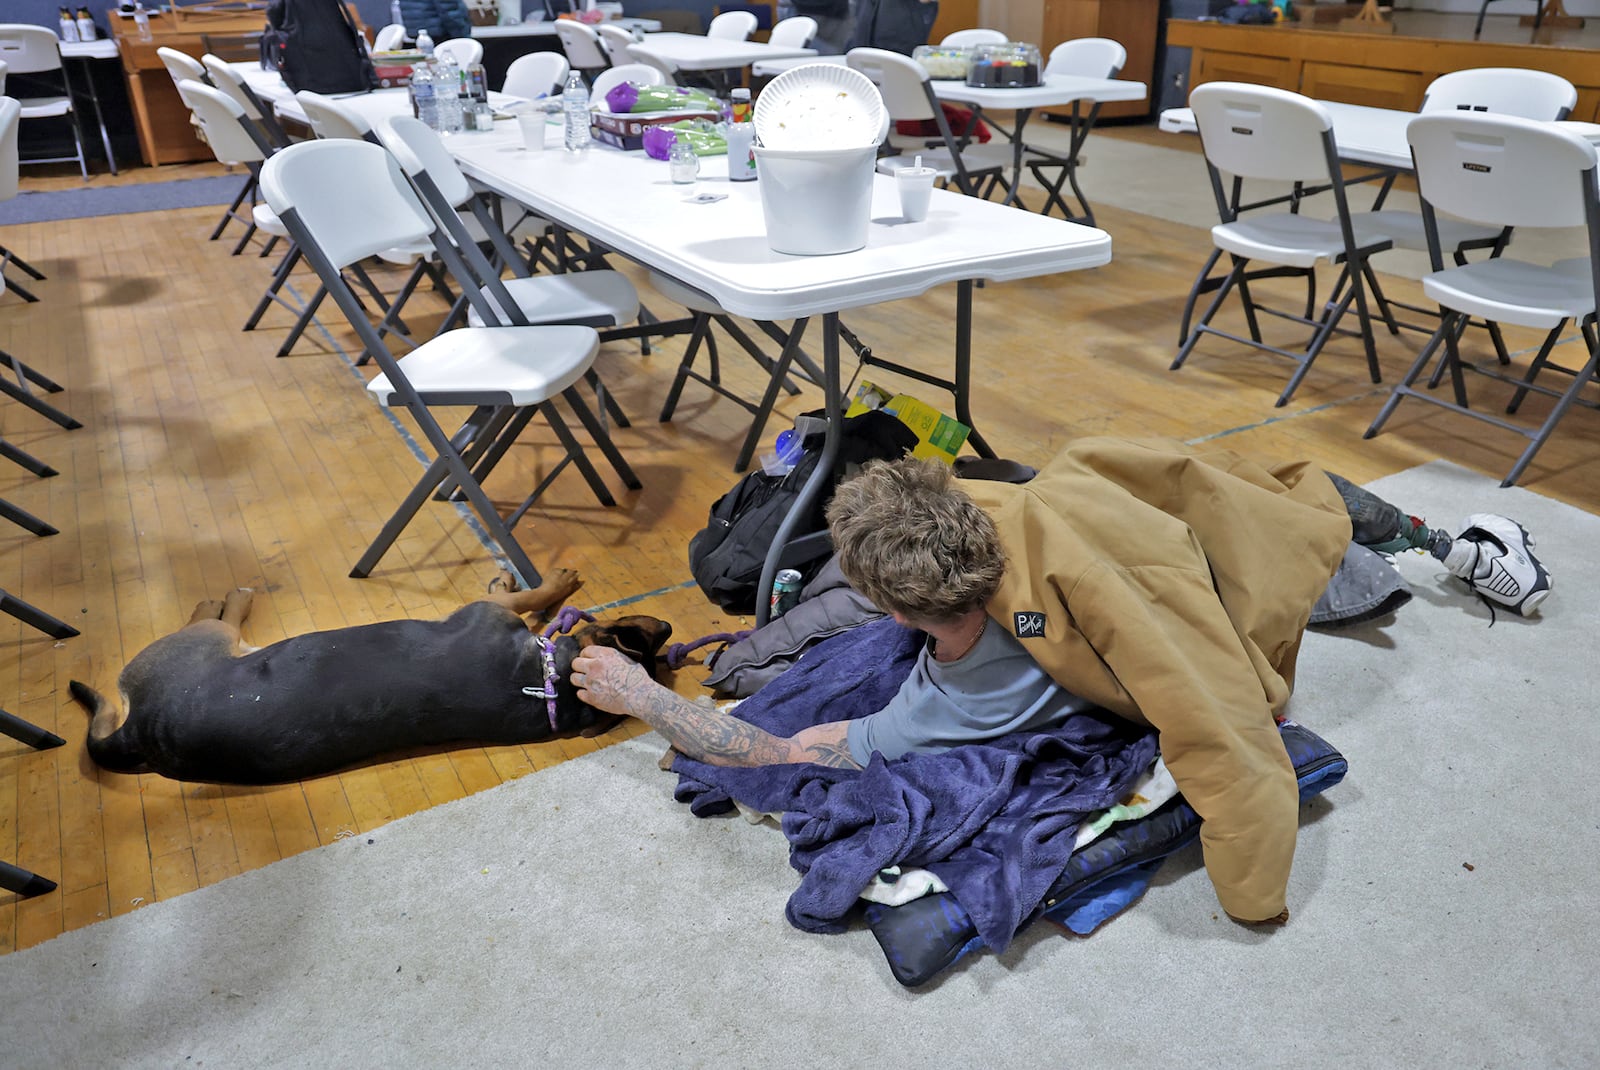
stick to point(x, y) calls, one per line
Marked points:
point(1367, 585)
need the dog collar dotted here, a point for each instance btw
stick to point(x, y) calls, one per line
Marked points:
point(547, 651)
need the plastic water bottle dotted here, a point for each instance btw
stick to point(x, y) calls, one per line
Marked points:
point(422, 95)
point(425, 43)
point(575, 103)
point(447, 89)
point(141, 19)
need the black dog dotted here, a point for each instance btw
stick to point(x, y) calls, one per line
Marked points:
point(201, 705)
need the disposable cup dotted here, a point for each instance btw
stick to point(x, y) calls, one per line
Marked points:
point(532, 125)
point(916, 188)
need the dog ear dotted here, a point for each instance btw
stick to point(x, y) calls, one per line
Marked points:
point(653, 632)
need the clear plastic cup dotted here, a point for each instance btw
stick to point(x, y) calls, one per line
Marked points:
point(916, 189)
point(532, 125)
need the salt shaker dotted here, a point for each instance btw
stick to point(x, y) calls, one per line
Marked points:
point(682, 163)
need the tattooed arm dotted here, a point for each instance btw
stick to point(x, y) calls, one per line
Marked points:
point(612, 682)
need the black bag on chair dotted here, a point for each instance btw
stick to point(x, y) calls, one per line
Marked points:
point(314, 44)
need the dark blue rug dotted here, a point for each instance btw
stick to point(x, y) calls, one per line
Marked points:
point(42, 207)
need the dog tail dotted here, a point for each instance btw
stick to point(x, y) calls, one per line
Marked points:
point(108, 745)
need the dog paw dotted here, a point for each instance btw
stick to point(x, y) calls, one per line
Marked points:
point(558, 585)
point(504, 582)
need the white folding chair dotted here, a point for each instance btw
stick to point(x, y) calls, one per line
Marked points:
point(705, 311)
point(225, 77)
point(389, 39)
point(344, 200)
point(602, 299)
point(611, 77)
point(649, 57)
point(1253, 132)
point(28, 49)
point(464, 50)
point(235, 141)
point(1085, 57)
point(908, 96)
point(538, 74)
point(333, 120)
point(18, 387)
point(582, 45)
point(793, 32)
point(181, 65)
point(969, 38)
point(1502, 91)
point(732, 26)
point(8, 189)
point(616, 41)
point(1501, 170)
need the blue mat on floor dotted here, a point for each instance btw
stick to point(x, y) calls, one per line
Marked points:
point(46, 207)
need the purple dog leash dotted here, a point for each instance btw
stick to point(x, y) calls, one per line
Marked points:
point(564, 622)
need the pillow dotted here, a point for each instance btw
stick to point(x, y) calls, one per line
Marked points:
point(922, 938)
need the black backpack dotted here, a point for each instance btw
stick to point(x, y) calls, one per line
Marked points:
point(314, 44)
point(726, 556)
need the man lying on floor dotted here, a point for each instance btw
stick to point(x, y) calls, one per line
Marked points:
point(1167, 585)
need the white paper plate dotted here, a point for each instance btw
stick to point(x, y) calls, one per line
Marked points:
point(821, 106)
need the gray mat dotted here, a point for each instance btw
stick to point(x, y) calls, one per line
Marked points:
point(580, 918)
point(45, 207)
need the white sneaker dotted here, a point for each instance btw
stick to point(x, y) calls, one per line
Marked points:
point(1494, 556)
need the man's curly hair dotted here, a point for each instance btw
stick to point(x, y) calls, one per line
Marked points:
point(913, 542)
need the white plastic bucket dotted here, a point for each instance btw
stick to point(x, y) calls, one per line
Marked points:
point(816, 201)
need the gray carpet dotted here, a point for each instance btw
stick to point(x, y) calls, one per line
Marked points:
point(36, 206)
point(1443, 897)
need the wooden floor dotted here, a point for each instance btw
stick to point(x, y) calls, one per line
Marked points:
point(205, 463)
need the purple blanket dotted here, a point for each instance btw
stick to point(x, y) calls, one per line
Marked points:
point(995, 821)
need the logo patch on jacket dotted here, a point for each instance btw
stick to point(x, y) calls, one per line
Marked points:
point(1029, 626)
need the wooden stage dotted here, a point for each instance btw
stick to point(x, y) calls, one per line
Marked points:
point(1387, 70)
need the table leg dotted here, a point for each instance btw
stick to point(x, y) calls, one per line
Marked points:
point(821, 476)
point(99, 116)
point(1013, 195)
point(963, 376)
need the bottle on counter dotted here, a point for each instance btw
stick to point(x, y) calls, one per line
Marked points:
point(423, 101)
point(575, 105)
point(69, 27)
point(447, 88)
point(87, 31)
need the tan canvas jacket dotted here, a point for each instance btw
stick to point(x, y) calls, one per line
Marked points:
point(1171, 585)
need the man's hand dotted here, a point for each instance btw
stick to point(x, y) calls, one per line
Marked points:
point(609, 680)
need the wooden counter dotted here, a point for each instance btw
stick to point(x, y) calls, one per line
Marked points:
point(159, 114)
point(1380, 70)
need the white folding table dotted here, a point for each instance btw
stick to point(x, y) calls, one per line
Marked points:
point(696, 52)
point(101, 48)
point(1364, 134)
point(1054, 90)
point(627, 202)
